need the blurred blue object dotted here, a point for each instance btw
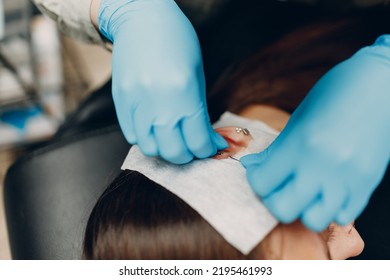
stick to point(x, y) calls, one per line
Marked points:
point(19, 117)
point(25, 125)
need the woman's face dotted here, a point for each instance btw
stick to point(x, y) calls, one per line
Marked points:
point(295, 241)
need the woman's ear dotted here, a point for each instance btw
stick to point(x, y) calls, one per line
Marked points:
point(238, 139)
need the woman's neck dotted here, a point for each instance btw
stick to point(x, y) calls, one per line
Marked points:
point(272, 116)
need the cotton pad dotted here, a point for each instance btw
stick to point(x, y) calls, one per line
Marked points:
point(217, 189)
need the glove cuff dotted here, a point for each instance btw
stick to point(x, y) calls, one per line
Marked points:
point(108, 8)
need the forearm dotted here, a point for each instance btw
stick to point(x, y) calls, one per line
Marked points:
point(73, 18)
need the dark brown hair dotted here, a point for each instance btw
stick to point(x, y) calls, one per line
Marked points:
point(283, 73)
point(136, 218)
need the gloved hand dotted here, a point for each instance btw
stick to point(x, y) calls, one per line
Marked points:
point(335, 149)
point(158, 79)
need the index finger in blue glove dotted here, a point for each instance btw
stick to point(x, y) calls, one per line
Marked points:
point(198, 135)
point(218, 140)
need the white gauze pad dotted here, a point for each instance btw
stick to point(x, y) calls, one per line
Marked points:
point(217, 189)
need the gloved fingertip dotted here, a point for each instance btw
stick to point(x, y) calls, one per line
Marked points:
point(182, 160)
point(316, 225)
point(249, 160)
point(130, 138)
point(220, 142)
point(150, 151)
point(343, 219)
point(286, 218)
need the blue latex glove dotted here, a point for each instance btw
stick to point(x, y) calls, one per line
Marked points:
point(335, 149)
point(158, 79)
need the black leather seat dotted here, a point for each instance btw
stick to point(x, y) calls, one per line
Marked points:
point(50, 192)
point(95, 112)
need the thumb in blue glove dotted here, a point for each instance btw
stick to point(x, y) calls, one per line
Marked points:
point(334, 151)
point(158, 80)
